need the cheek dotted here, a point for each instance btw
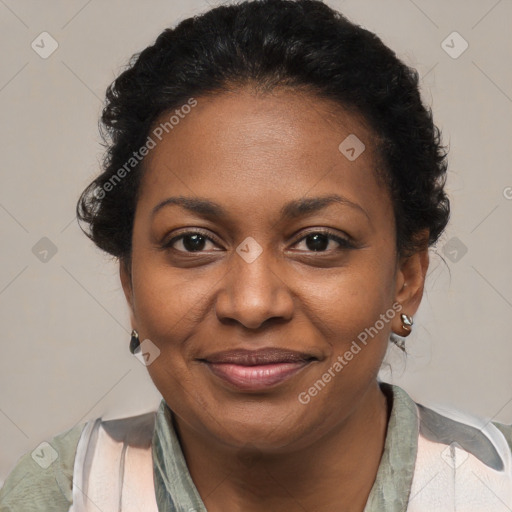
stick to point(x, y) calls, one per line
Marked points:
point(170, 305)
point(354, 297)
point(353, 311)
point(169, 301)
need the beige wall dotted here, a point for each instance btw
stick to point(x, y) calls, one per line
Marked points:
point(64, 324)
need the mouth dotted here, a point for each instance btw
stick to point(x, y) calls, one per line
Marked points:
point(253, 370)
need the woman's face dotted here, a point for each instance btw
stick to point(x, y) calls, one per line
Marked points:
point(297, 253)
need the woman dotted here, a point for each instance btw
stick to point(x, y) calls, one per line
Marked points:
point(272, 186)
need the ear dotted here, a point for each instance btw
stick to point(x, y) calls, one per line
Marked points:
point(410, 282)
point(126, 282)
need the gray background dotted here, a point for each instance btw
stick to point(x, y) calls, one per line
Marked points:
point(64, 323)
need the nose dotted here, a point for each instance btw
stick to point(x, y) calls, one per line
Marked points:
point(254, 293)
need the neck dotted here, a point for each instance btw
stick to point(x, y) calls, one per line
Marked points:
point(340, 467)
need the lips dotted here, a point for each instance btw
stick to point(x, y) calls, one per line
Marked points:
point(258, 357)
point(257, 369)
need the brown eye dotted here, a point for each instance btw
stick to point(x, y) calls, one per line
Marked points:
point(191, 241)
point(318, 241)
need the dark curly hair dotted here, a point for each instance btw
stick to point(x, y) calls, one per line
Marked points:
point(302, 44)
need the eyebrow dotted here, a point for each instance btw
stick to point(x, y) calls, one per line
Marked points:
point(292, 210)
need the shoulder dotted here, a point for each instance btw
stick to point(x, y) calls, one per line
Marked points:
point(461, 458)
point(42, 478)
point(114, 464)
point(489, 442)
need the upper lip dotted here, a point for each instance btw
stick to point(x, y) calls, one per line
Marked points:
point(258, 357)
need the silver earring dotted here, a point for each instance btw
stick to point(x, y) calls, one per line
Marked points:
point(407, 322)
point(134, 341)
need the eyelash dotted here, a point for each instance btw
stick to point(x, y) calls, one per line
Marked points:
point(343, 242)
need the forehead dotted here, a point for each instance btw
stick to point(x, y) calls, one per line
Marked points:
point(245, 148)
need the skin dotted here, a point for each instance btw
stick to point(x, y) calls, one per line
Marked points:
point(252, 154)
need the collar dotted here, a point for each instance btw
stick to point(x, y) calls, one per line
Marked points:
point(175, 489)
point(392, 486)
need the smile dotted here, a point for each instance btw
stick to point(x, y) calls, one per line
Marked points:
point(256, 377)
point(253, 370)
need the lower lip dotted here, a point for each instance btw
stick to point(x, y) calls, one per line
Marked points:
point(256, 377)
